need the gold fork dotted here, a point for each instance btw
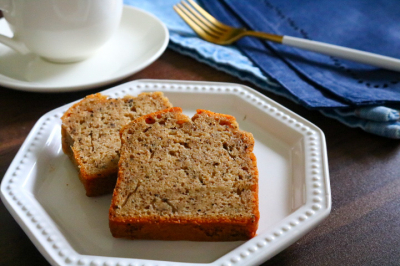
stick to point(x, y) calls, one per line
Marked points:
point(212, 30)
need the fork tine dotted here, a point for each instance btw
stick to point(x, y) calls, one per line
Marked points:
point(181, 12)
point(206, 23)
point(194, 23)
point(208, 16)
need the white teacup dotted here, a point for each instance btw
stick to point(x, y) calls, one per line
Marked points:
point(60, 30)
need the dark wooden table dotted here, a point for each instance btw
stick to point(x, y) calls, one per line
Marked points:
point(362, 229)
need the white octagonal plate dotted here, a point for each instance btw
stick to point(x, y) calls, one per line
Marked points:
point(42, 191)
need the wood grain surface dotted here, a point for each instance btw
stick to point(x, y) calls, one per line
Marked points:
point(362, 229)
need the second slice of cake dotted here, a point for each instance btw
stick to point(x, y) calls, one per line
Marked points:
point(90, 135)
point(185, 179)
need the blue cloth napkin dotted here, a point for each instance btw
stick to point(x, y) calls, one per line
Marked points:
point(276, 74)
point(364, 25)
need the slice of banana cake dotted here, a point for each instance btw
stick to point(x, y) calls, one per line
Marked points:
point(90, 135)
point(185, 179)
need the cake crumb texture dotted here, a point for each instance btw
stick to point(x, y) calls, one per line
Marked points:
point(185, 179)
point(90, 135)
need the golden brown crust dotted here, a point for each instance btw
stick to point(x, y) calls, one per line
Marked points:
point(192, 230)
point(226, 119)
point(173, 226)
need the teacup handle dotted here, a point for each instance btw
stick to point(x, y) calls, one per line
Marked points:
point(13, 43)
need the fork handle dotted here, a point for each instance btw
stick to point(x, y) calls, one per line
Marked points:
point(343, 52)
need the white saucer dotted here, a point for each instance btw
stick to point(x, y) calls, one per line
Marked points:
point(139, 41)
